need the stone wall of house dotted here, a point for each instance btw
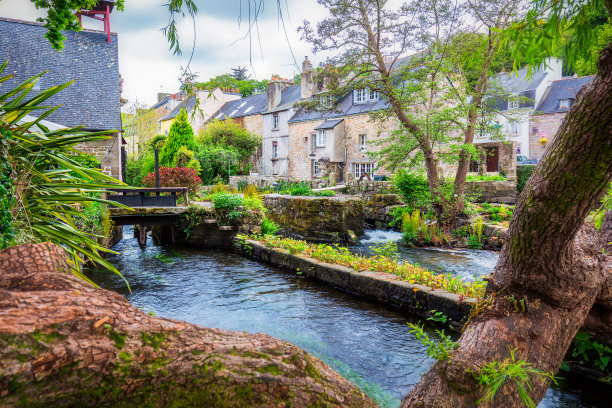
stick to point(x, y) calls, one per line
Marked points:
point(108, 152)
point(254, 124)
point(318, 219)
point(507, 156)
point(544, 124)
point(302, 157)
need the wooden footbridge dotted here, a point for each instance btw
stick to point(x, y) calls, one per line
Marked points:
point(147, 207)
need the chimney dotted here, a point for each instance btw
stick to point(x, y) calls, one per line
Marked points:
point(274, 90)
point(307, 87)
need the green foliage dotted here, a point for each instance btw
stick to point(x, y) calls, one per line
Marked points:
point(158, 142)
point(342, 256)
point(413, 188)
point(485, 177)
point(522, 175)
point(245, 85)
point(43, 163)
point(185, 158)
point(418, 229)
point(216, 163)
point(591, 351)
point(180, 134)
point(227, 202)
point(94, 219)
point(268, 227)
point(254, 203)
point(495, 374)
point(231, 134)
point(438, 316)
point(439, 350)
point(586, 64)
point(7, 190)
point(606, 206)
point(475, 238)
point(387, 249)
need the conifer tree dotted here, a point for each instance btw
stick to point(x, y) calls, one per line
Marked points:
point(181, 134)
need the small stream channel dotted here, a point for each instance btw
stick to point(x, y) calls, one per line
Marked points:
point(365, 342)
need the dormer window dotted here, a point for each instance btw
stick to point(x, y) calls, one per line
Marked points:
point(325, 101)
point(564, 104)
point(365, 95)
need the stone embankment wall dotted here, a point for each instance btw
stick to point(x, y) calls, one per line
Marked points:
point(382, 287)
point(378, 209)
point(499, 191)
point(317, 219)
point(201, 226)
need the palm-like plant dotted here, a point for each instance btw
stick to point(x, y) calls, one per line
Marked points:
point(48, 183)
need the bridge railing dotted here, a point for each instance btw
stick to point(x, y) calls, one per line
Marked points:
point(148, 197)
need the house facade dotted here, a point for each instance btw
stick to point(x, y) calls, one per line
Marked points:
point(514, 112)
point(91, 59)
point(551, 111)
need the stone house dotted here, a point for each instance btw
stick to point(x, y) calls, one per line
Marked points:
point(210, 101)
point(550, 112)
point(515, 109)
point(91, 59)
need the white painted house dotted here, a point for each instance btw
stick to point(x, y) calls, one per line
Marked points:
point(524, 93)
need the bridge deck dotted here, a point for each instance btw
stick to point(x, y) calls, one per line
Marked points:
point(145, 216)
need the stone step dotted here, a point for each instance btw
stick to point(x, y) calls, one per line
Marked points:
point(211, 221)
point(226, 227)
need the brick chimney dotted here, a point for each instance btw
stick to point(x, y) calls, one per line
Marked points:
point(275, 89)
point(307, 84)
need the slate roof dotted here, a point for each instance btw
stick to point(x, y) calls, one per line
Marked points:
point(329, 124)
point(344, 107)
point(561, 89)
point(187, 105)
point(515, 82)
point(93, 100)
point(161, 103)
point(256, 103)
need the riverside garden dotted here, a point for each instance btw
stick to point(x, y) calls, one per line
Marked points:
point(362, 285)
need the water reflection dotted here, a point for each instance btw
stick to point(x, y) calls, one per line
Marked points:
point(367, 343)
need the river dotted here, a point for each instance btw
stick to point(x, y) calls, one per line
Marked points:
point(367, 343)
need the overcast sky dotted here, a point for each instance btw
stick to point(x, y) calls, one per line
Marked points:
point(148, 67)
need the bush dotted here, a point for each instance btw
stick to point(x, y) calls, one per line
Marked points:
point(413, 188)
point(523, 173)
point(158, 142)
point(175, 177)
point(268, 227)
point(185, 158)
point(230, 134)
point(180, 134)
point(214, 162)
point(254, 203)
point(485, 177)
point(227, 202)
point(324, 193)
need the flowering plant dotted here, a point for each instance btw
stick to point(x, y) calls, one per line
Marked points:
point(175, 177)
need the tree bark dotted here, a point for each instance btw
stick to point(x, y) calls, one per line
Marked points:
point(65, 343)
point(551, 263)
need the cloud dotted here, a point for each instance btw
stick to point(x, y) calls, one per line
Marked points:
point(148, 67)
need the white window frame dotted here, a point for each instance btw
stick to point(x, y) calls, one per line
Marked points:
point(275, 121)
point(363, 142)
point(373, 95)
point(321, 137)
point(275, 150)
point(514, 128)
point(361, 168)
point(513, 103)
point(364, 95)
point(564, 104)
point(360, 96)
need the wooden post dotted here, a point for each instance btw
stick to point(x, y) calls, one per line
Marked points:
point(157, 168)
point(142, 235)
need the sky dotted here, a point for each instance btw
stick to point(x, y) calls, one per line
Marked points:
point(148, 67)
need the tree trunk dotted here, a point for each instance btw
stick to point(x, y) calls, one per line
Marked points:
point(65, 343)
point(550, 270)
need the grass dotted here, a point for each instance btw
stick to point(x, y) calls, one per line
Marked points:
point(485, 177)
point(342, 256)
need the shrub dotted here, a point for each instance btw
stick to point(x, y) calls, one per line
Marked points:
point(324, 193)
point(175, 177)
point(158, 142)
point(413, 188)
point(475, 238)
point(485, 177)
point(214, 161)
point(220, 188)
point(227, 202)
point(254, 203)
point(268, 227)
point(523, 173)
point(180, 134)
point(185, 158)
point(250, 190)
point(230, 134)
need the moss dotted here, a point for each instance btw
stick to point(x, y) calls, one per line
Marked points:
point(125, 357)
point(47, 337)
point(312, 372)
point(116, 337)
point(270, 369)
point(154, 340)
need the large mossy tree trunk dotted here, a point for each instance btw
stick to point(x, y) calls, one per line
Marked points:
point(550, 270)
point(65, 343)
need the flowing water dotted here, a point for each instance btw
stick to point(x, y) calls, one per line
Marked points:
point(365, 342)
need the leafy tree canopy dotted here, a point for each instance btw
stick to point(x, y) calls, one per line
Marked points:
point(246, 87)
point(229, 133)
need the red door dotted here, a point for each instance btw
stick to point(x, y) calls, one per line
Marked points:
point(492, 159)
